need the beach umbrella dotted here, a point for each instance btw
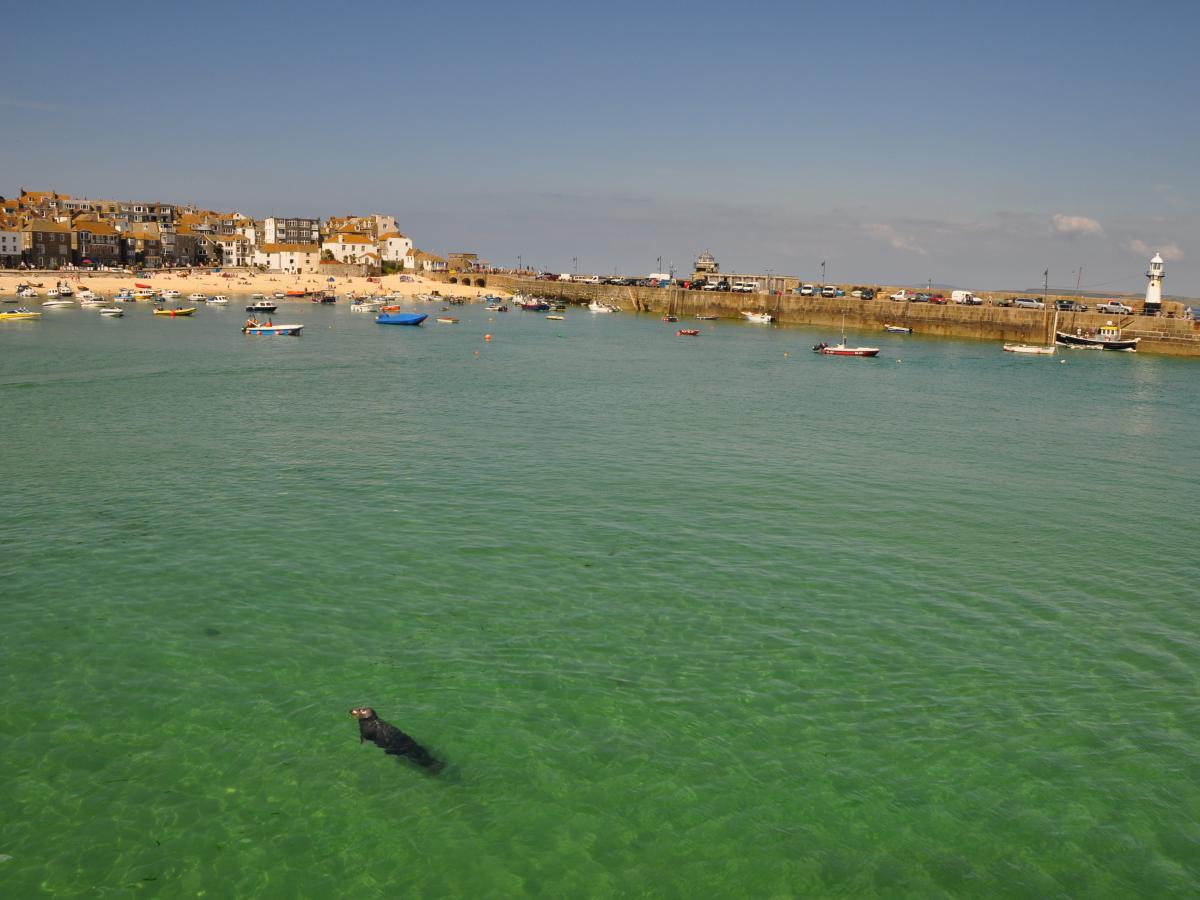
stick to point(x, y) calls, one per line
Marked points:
point(330, 278)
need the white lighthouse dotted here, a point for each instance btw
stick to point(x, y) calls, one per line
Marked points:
point(1154, 288)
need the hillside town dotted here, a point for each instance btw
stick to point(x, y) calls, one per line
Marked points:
point(51, 230)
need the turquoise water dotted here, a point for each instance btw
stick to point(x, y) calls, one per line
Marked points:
point(686, 617)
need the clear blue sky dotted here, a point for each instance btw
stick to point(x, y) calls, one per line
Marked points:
point(974, 143)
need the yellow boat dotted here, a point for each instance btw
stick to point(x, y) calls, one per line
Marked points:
point(145, 295)
point(16, 315)
point(186, 311)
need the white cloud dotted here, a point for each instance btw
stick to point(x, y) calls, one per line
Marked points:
point(1076, 225)
point(1169, 251)
point(895, 238)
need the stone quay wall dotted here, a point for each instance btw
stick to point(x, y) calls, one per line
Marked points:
point(1172, 336)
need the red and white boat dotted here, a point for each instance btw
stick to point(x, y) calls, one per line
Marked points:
point(687, 332)
point(843, 349)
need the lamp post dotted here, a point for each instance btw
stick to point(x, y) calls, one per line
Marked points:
point(768, 280)
point(519, 266)
point(822, 273)
point(575, 262)
point(659, 264)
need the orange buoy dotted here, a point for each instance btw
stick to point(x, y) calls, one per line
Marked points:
point(487, 337)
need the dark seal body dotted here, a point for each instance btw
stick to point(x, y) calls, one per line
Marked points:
point(394, 741)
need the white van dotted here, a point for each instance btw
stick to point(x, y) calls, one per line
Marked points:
point(966, 298)
point(588, 279)
point(744, 287)
point(807, 290)
point(829, 291)
point(564, 277)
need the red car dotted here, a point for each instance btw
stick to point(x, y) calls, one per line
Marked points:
point(938, 298)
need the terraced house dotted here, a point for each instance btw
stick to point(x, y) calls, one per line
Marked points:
point(10, 241)
point(46, 244)
point(95, 242)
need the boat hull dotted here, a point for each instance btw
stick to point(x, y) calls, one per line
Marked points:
point(273, 330)
point(1128, 345)
point(897, 329)
point(175, 312)
point(401, 318)
point(850, 351)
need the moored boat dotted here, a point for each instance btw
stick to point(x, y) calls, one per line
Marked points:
point(555, 318)
point(219, 300)
point(758, 318)
point(1106, 337)
point(177, 311)
point(599, 306)
point(897, 329)
point(687, 332)
point(197, 298)
point(399, 318)
point(296, 293)
point(264, 306)
point(1031, 349)
point(447, 320)
point(19, 314)
point(705, 318)
point(112, 312)
point(169, 295)
point(54, 302)
point(269, 329)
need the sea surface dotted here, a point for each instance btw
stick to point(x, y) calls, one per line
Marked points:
point(685, 617)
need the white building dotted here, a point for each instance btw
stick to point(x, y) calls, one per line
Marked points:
point(236, 250)
point(10, 243)
point(294, 259)
point(395, 247)
point(349, 247)
point(291, 231)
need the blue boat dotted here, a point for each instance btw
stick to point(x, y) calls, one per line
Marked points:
point(401, 318)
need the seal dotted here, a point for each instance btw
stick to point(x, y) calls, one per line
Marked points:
point(394, 741)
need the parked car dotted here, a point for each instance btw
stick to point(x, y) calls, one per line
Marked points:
point(900, 296)
point(1029, 303)
point(1114, 306)
point(828, 291)
point(1069, 306)
point(938, 299)
point(744, 287)
point(966, 298)
point(868, 293)
point(807, 290)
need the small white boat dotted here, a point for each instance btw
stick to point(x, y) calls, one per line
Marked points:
point(64, 290)
point(1031, 349)
point(557, 318)
point(257, 297)
point(758, 318)
point(219, 300)
point(27, 292)
point(52, 294)
point(86, 296)
point(170, 295)
point(279, 295)
point(123, 296)
point(365, 306)
point(197, 298)
point(599, 306)
point(111, 311)
point(53, 303)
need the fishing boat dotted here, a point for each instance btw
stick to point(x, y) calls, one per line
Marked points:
point(493, 307)
point(197, 298)
point(366, 306)
point(52, 294)
point(399, 318)
point(177, 311)
point(599, 306)
point(169, 295)
point(1106, 337)
point(897, 329)
point(263, 306)
point(219, 300)
point(447, 320)
point(64, 289)
point(267, 329)
point(124, 295)
point(533, 304)
point(758, 318)
point(328, 296)
point(86, 296)
point(258, 296)
point(842, 348)
point(144, 295)
point(19, 314)
point(687, 332)
point(113, 312)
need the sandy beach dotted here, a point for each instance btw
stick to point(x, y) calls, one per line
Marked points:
point(232, 281)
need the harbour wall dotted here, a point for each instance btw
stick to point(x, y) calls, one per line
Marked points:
point(1176, 337)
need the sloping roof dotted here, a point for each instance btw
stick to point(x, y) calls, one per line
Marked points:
point(47, 225)
point(348, 238)
point(92, 226)
point(392, 234)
